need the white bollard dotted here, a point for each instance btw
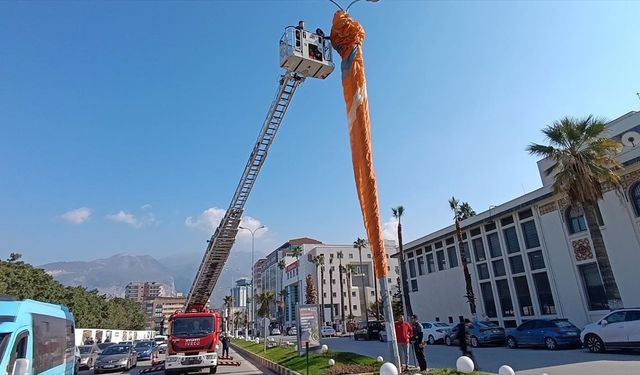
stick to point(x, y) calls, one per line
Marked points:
point(464, 364)
point(324, 348)
point(380, 359)
point(506, 370)
point(332, 362)
point(388, 369)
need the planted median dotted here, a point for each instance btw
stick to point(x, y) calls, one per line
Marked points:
point(345, 363)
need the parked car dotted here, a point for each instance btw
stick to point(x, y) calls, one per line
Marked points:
point(482, 333)
point(550, 333)
point(116, 357)
point(382, 335)
point(435, 331)
point(327, 331)
point(275, 331)
point(144, 349)
point(78, 357)
point(619, 329)
point(88, 355)
point(368, 330)
point(292, 331)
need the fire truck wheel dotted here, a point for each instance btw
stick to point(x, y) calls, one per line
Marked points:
point(213, 370)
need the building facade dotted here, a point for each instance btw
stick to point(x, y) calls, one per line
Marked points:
point(158, 310)
point(533, 257)
point(240, 292)
point(141, 291)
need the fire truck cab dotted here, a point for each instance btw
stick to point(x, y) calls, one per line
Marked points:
point(193, 342)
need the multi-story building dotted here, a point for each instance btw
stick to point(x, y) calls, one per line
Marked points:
point(341, 293)
point(240, 292)
point(141, 291)
point(158, 310)
point(533, 257)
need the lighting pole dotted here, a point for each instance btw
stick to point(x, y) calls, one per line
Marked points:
point(253, 302)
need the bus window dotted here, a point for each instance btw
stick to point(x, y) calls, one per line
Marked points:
point(19, 349)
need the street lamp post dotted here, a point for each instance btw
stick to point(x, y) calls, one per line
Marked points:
point(253, 302)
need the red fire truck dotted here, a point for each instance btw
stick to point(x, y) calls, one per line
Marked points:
point(194, 337)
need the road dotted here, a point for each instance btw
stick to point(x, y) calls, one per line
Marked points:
point(245, 368)
point(523, 361)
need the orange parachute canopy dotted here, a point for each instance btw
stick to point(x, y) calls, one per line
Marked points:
point(347, 36)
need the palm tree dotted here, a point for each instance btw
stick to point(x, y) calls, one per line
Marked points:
point(340, 272)
point(331, 290)
point(318, 261)
point(297, 253)
point(238, 320)
point(350, 268)
point(585, 162)
point(281, 265)
point(283, 294)
point(461, 212)
point(360, 243)
point(397, 213)
point(265, 299)
point(228, 302)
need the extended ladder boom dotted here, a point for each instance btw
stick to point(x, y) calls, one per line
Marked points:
point(224, 237)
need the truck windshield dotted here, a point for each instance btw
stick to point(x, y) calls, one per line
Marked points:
point(4, 339)
point(189, 327)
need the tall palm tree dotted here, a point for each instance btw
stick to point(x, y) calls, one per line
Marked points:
point(281, 265)
point(331, 291)
point(318, 261)
point(265, 299)
point(228, 302)
point(238, 320)
point(359, 244)
point(585, 161)
point(340, 272)
point(397, 213)
point(350, 268)
point(283, 294)
point(461, 212)
point(297, 253)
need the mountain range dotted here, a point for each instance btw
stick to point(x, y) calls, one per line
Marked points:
point(111, 275)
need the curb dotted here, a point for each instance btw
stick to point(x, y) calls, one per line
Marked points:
point(278, 369)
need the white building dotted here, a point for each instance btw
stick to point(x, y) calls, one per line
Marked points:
point(339, 298)
point(532, 257)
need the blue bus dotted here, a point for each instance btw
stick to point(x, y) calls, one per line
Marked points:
point(36, 338)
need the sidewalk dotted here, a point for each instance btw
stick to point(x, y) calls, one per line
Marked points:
point(245, 368)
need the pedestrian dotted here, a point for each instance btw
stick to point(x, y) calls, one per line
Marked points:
point(464, 338)
point(225, 345)
point(403, 336)
point(417, 338)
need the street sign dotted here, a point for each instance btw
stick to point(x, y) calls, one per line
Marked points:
point(308, 327)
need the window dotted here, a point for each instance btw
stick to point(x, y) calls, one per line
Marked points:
point(536, 261)
point(353, 294)
point(355, 307)
point(410, 254)
point(350, 256)
point(494, 245)
point(420, 266)
point(487, 299)
point(49, 347)
point(369, 256)
point(506, 221)
point(467, 252)
point(478, 249)
point(334, 294)
point(414, 285)
point(545, 297)
point(412, 268)
point(516, 263)
point(575, 220)
point(634, 194)
point(430, 264)
point(442, 265)
point(498, 268)
point(483, 271)
point(530, 234)
point(397, 270)
point(372, 293)
point(489, 227)
point(593, 287)
point(511, 240)
point(449, 241)
point(524, 297)
point(453, 257)
point(438, 244)
point(525, 214)
point(325, 294)
point(505, 297)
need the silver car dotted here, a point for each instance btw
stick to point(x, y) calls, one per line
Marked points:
point(116, 357)
point(88, 355)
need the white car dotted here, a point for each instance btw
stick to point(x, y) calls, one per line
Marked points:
point(619, 329)
point(434, 331)
point(275, 332)
point(327, 331)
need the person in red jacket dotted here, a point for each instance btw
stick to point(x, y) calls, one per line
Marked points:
point(403, 336)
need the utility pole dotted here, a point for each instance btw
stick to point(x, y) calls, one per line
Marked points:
point(253, 303)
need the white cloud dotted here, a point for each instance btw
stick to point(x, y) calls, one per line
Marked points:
point(125, 217)
point(390, 229)
point(77, 216)
point(146, 207)
point(210, 218)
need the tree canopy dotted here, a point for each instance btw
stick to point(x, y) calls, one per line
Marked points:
point(89, 308)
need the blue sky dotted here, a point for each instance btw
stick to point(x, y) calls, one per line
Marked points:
point(136, 118)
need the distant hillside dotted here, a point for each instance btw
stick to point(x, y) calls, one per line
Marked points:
point(112, 274)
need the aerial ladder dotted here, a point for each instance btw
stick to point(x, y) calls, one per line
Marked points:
point(303, 54)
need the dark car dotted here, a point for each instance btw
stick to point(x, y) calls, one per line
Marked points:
point(550, 333)
point(116, 357)
point(144, 349)
point(368, 331)
point(482, 333)
point(102, 346)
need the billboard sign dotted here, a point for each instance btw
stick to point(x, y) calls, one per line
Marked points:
point(308, 327)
